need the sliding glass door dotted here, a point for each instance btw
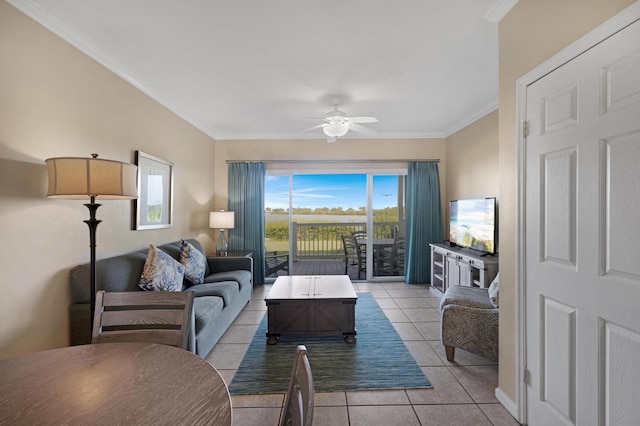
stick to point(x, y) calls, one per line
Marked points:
point(310, 215)
point(387, 244)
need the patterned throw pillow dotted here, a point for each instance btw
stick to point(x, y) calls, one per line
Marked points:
point(194, 263)
point(161, 272)
point(494, 291)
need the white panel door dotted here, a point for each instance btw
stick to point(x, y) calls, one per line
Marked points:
point(582, 228)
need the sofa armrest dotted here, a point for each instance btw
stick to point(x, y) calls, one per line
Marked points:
point(226, 264)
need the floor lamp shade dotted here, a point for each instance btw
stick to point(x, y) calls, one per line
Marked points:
point(80, 178)
point(91, 178)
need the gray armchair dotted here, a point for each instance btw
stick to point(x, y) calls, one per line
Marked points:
point(469, 322)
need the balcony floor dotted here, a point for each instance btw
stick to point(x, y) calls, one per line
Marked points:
point(321, 267)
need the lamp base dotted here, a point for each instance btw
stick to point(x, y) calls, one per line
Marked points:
point(222, 246)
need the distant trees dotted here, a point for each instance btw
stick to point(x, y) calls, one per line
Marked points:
point(322, 211)
point(154, 213)
point(278, 230)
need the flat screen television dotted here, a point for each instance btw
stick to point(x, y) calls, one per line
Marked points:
point(473, 224)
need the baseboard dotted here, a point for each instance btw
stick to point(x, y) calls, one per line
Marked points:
point(507, 403)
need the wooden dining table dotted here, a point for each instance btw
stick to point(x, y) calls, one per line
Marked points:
point(112, 383)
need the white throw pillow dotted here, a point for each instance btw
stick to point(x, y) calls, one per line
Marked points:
point(161, 272)
point(494, 291)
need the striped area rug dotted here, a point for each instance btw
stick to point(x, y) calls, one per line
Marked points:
point(378, 360)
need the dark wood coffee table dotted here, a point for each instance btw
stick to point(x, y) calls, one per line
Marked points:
point(311, 306)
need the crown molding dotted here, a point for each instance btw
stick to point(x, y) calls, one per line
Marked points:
point(499, 9)
point(489, 108)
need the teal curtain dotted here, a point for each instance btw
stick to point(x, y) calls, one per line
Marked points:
point(424, 220)
point(246, 199)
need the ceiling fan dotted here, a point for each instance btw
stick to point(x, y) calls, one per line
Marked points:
point(337, 123)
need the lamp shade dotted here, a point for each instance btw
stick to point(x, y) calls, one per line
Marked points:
point(80, 178)
point(336, 128)
point(221, 220)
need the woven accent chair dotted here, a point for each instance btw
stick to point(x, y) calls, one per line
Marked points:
point(298, 404)
point(143, 316)
point(469, 322)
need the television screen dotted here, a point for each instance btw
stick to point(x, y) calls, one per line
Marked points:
point(472, 224)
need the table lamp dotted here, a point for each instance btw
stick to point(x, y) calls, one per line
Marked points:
point(91, 178)
point(221, 220)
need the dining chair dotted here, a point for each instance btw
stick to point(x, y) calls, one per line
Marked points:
point(361, 256)
point(359, 235)
point(350, 254)
point(299, 401)
point(397, 254)
point(391, 262)
point(143, 316)
point(275, 262)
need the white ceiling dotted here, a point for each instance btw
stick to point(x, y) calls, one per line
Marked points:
point(254, 69)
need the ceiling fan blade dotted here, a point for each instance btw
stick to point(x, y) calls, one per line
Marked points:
point(310, 128)
point(362, 120)
point(361, 129)
point(317, 118)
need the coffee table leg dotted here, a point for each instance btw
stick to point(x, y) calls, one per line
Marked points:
point(350, 336)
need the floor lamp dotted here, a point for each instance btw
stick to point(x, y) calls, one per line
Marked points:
point(91, 178)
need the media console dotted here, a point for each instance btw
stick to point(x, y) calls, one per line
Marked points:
point(460, 266)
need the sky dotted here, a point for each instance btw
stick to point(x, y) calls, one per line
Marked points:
point(328, 190)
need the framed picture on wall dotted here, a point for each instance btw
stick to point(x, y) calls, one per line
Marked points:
point(154, 207)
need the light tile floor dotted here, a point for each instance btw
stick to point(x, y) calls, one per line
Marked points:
point(463, 392)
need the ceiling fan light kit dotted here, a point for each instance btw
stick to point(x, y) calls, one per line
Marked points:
point(337, 123)
point(336, 128)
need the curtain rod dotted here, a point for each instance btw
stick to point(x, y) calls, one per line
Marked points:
point(400, 160)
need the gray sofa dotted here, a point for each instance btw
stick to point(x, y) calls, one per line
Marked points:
point(227, 288)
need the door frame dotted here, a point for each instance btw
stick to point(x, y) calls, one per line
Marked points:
point(618, 22)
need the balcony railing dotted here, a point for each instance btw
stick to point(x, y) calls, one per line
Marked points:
point(324, 241)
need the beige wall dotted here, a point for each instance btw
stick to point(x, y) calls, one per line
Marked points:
point(530, 34)
point(472, 160)
point(55, 101)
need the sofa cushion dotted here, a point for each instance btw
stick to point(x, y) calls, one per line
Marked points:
point(240, 276)
point(119, 273)
point(194, 263)
point(206, 309)
point(494, 291)
point(228, 290)
point(161, 272)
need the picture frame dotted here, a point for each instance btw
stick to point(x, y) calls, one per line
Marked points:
point(154, 207)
